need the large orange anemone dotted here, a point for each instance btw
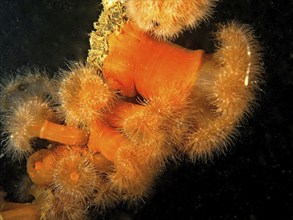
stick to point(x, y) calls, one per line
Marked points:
point(138, 63)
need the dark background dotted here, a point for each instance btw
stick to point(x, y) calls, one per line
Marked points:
point(254, 180)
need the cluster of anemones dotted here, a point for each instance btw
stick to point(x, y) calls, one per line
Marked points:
point(112, 129)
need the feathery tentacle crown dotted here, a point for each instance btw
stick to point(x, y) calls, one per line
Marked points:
point(26, 101)
point(84, 95)
point(229, 82)
point(167, 19)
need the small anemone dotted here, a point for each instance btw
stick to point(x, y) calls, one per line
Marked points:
point(75, 177)
point(136, 170)
point(35, 118)
point(14, 89)
point(40, 167)
point(54, 206)
point(20, 125)
point(83, 95)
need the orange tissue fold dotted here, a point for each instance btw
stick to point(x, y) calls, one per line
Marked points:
point(136, 63)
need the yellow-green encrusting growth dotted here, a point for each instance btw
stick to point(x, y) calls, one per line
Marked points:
point(111, 19)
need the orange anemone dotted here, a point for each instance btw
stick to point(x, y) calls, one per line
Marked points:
point(40, 167)
point(138, 63)
point(60, 133)
point(104, 139)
